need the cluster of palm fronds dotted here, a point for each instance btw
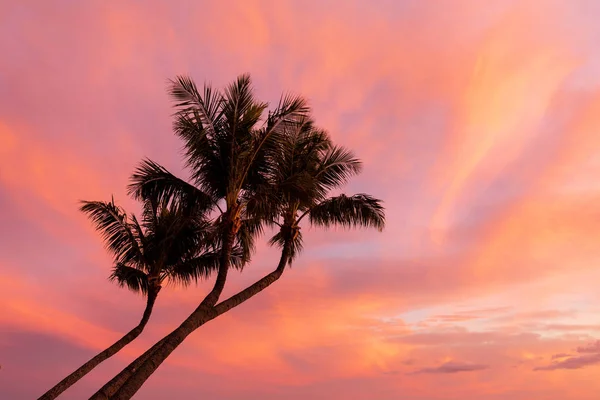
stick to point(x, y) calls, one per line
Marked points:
point(248, 171)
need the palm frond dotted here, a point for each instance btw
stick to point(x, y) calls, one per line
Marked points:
point(201, 267)
point(208, 161)
point(263, 202)
point(238, 259)
point(131, 278)
point(177, 234)
point(298, 164)
point(270, 139)
point(199, 123)
point(151, 181)
point(241, 109)
point(349, 211)
point(336, 167)
point(188, 98)
point(111, 221)
point(138, 233)
point(290, 110)
point(192, 270)
point(249, 230)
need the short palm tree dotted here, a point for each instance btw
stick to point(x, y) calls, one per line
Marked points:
point(170, 243)
point(304, 166)
point(308, 167)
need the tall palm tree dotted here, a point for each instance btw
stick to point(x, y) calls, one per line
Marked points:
point(305, 167)
point(170, 243)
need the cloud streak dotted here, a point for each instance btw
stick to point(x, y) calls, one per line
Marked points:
point(451, 367)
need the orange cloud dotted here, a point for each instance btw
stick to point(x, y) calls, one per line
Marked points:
point(517, 73)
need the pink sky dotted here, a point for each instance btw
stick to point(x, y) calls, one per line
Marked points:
point(478, 123)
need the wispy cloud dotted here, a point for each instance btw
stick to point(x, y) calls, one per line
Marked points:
point(451, 367)
point(561, 355)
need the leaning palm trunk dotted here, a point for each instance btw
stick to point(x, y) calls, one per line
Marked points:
point(104, 355)
point(139, 372)
point(109, 389)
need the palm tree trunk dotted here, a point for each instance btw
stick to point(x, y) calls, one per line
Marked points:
point(104, 355)
point(201, 315)
point(109, 389)
point(228, 241)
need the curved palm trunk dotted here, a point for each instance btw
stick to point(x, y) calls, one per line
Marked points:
point(109, 389)
point(104, 355)
point(201, 315)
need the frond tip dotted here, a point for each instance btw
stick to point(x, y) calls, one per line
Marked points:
point(151, 181)
point(336, 168)
point(349, 211)
point(112, 222)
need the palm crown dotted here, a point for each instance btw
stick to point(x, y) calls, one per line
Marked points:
point(307, 168)
point(169, 243)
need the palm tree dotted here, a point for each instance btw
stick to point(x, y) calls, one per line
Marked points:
point(307, 169)
point(304, 168)
point(170, 243)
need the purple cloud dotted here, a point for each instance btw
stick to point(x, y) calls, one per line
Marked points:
point(590, 348)
point(572, 363)
point(590, 356)
point(451, 367)
point(561, 355)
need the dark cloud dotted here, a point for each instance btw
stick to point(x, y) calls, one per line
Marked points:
point(451, 368)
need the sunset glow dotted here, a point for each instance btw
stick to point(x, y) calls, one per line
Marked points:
point(478, 123)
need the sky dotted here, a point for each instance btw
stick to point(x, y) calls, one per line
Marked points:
point(478, 123)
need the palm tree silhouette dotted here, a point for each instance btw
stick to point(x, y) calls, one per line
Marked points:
point(283, 181)
point(170, 243)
